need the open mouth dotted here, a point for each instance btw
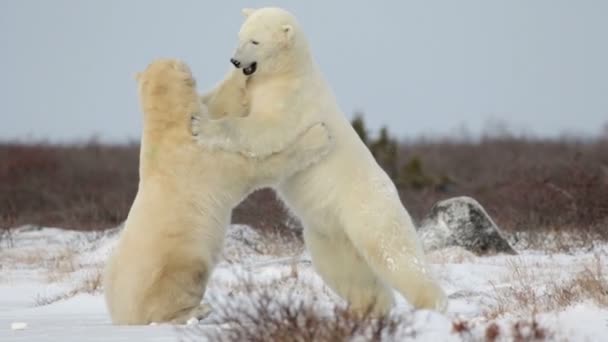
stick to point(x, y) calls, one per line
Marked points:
point(250, 69)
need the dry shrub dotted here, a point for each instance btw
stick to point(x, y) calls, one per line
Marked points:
point(462, 327)
point(264, 211)
point(520, 331)
point(266, 316)
point(523, 331)
point(492, 332)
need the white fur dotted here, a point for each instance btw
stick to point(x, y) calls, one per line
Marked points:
point(175, 228)
point(362, 240)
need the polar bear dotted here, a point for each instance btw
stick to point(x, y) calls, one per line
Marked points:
point(175, 229)
point(361, 239)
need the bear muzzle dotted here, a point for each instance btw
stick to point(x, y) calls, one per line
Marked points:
point(247, 70)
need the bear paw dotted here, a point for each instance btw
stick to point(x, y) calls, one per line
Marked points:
point(197, 313)
point(198, 118)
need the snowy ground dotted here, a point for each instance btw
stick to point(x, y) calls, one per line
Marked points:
point(50, 281)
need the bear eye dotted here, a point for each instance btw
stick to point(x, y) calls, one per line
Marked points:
point(255, 42)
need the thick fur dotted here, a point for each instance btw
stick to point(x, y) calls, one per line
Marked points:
point(175, 228)
point(362, 241)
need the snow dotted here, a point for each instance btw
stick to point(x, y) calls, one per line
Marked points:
point(18, 325)
point(49, 289)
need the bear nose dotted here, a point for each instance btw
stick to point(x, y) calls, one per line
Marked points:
point(234, 62)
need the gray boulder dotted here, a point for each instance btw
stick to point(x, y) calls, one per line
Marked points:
point(462, 222)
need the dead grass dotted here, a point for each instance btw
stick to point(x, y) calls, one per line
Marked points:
point(589, 284)
point(61, 264)
point(269, 243)
point(555, 240)
point(29, 259)
point(57, 262)
point(91, 284)
point(6, 238)
point(451, 255)
point(287, 281)
point(535, 289)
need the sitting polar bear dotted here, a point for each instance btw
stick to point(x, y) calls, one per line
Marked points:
point(361, 239)
point(175, 229)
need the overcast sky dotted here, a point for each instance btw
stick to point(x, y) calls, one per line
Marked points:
point(419, 67)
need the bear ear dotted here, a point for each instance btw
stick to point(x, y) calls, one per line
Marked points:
point(247, 11)
point(137, 76)
point(288, 30)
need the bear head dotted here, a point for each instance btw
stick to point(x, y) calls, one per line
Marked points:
point(269, 41)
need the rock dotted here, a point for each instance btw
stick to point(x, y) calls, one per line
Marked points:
point(462, 222)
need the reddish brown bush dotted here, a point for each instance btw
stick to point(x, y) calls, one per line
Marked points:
point(89, 186)
point(525, 184)
point(260, 313)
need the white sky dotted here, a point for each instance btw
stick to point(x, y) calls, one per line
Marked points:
point(420, 67)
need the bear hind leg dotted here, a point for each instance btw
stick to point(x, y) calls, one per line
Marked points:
point(177, 294)
point(399, 261)
point(342, 268)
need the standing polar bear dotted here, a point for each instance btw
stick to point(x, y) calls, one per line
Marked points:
point(361, 239)
point(175, 228)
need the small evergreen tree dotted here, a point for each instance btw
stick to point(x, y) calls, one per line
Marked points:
point(384, 149)
point(359, 126)
point(412, 175)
